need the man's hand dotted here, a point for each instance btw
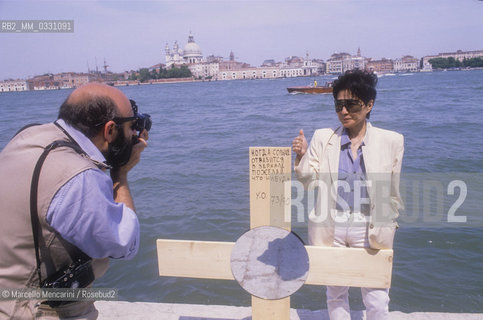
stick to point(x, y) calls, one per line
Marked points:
point(300, 145)
point(119, 175)
point(136, 152)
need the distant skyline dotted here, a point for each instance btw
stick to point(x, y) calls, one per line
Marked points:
point(132, 34)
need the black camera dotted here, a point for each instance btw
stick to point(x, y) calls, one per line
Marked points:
point(143, 120)
point(78, 274)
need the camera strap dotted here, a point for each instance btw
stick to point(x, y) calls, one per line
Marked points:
point(36, 229)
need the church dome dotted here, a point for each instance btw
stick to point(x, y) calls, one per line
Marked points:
point(191, 48)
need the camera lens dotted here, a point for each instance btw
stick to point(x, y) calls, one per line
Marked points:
point(143, 122)
point(148, 122)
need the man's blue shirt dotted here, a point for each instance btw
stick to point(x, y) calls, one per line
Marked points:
point(84, 212)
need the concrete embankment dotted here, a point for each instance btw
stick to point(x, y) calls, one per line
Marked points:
point(167, 311)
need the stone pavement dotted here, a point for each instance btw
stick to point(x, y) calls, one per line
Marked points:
point(110, 310)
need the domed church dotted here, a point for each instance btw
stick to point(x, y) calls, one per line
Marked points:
point(190, 54)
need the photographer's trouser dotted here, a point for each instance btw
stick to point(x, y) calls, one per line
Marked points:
point(84, 310)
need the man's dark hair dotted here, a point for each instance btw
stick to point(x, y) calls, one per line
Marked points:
point(89, 114)
point(360, 83)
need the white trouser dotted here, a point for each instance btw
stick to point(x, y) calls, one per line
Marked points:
point(351, 231)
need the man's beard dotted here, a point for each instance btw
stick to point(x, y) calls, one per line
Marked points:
point(119, 151)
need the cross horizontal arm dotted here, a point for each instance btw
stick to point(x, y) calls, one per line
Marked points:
point(195, 259)
point(353, 267)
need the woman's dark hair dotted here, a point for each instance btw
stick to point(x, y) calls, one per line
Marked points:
point(89, 114)
point(361, 84)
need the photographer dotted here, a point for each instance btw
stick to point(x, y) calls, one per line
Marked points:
point(81, 214)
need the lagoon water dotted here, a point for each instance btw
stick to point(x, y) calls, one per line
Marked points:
point(192, 182)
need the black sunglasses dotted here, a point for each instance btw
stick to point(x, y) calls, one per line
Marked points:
point(121, 120)
point(143, 120)
point(351, 105)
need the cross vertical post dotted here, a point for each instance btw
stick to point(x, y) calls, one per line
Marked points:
point(270, 194)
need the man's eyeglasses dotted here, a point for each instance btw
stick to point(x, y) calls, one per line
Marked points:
point(143, 120)
point(121, 120)
point(351, 105)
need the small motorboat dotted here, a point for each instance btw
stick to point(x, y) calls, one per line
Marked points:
point(312, 88)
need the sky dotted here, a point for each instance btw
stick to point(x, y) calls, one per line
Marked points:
point(132, 34)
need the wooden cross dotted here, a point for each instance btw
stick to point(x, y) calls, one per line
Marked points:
point(270, 194)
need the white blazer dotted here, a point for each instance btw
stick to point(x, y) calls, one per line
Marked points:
point(383, 152)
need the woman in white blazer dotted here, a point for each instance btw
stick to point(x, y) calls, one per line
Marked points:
point(356, 168)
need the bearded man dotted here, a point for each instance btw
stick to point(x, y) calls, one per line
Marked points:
point(58, 205)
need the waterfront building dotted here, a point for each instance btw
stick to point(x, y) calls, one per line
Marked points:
point(380, 66)
point(245, 71)
point(174, 56)
point(357, 62)
point(406, 64)
point(71, 79)
point(335, 63)
point(311, 67)
point(234, 70)
point(192, 51)
point(294, 61)
point(288, 72)
point(427, 67)
point(216, 68)
point(43, 82)
point(231, 64)
point(190, 54)
point(212, 58)
point(64, 80)
point(205, 70)
point(13, 85)
point(269, 63)
point(320, 65)
point(251, 73)
point(458, 55)
point(341, 62)
point(295, 66)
